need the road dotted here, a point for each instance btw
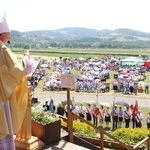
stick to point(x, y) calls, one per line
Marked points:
point(58, 96)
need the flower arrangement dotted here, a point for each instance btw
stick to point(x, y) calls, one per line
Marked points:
point(44, 117)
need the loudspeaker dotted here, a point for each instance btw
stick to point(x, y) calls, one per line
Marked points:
point(34, 100)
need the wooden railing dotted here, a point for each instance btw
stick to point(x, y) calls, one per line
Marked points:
point(102, 133)
point(69, 122)
point(147, 139)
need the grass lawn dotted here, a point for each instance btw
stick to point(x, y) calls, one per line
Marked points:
point(79, 52)
point(35, 104)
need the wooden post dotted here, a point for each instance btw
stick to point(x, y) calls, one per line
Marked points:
point(102, 140)
point(24, 139)
point(148, 142)
point(70, 120)
point(67, 81)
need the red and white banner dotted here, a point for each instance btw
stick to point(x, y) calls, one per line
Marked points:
point(135, 109)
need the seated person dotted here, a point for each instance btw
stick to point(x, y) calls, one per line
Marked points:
point(46, 106)
point(60, 110)
point(139, 88)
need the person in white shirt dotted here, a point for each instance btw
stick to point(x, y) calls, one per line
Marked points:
point(139, 118)
point(115, 117)
point(89, 113)
point(107, 117)
point(95, 117)
point(66, 109)
point(75, 110)
point(120, 117)
point(82, 111)
point(127, 117)
point(148, 121)
point(147, 87)
point(101, 115)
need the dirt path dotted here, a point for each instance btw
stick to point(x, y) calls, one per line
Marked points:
point(58, 96)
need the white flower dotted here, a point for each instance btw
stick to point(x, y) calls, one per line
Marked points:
point(44, 117)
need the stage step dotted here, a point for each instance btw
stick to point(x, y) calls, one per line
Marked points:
point(64, 145)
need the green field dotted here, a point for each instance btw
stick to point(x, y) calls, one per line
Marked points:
point(85, 53)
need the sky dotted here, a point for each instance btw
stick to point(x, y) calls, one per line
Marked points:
point(31, 15)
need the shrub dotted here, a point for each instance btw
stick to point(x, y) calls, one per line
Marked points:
point(130, 135)
point(82, 129)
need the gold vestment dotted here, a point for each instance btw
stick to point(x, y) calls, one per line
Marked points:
point(13, 87)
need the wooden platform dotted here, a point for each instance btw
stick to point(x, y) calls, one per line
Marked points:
point(64, 145)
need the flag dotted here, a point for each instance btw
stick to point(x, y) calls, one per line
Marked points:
point(123, 107)
point(132, 107)
point(97, 103)
point(96, 110)
point(51, 106)
point(113, 105)
point(73, 104)
point(135, 109)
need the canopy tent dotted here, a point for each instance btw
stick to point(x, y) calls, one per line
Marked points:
point(132, 61)
point(147, 63)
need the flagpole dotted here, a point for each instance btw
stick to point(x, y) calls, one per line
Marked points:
point(123, 109)
point(97, 102)
point(113, 113)
point(114, 103)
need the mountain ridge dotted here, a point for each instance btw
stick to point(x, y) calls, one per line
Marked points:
point(83, 36)
point(83, 30)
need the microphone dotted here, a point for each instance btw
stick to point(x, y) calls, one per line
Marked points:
point(10, 46)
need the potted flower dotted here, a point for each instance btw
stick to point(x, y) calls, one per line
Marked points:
point(45, 125)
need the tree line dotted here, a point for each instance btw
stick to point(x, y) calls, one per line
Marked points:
point(43, 40)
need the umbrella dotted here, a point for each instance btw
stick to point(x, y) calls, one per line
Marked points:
point(96, 68)
point(121, 103)
point(53, 81)
point(140, 77)
point(105, 104)
point(96, 73)
point(44, 65)
point(80, 58)
point(49, 60)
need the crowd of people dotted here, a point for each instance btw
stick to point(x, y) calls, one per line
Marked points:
point(131, 80)
point(95, 74)
point(106, 117)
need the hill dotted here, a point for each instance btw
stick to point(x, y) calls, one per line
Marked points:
point(81, 37)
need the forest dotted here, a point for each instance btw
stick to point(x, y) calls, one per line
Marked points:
point(81, 38)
